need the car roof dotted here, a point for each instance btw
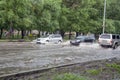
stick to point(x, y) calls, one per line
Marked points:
point(109, 34)
point(81, 36)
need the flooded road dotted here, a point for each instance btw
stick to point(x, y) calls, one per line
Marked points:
point(16, 57)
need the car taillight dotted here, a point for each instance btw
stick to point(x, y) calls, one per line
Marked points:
point(111, 41)
point(99, 40)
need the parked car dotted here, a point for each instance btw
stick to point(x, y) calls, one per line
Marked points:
point(89, 38)
point(80, 39)
point(55, 38)
point(75, 42)
point(110, 40)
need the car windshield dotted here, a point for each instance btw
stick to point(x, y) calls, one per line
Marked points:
point(81, 36)
point(105, 36)
point(44, 36)
point(78, 38)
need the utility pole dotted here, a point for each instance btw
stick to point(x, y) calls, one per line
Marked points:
point(104, 15)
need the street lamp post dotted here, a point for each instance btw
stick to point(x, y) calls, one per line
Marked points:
point(104, 16)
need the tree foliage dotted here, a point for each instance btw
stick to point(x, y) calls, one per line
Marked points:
point(80, 16)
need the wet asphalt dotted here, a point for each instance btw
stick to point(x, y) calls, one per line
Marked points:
point(16, 57)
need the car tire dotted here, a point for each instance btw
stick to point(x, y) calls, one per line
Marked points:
point(59, 41)
point(103, 46)
point(115, 46)
point(38, 43)
point(47, 40)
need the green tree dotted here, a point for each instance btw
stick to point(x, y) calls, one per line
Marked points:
point(80, 16)
point(113, 15)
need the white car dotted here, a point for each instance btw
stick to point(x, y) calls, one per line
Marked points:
point(55, 38)
point(111, 40)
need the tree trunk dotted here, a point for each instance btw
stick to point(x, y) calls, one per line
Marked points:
point(62, 33)
point(22, 33)
point(11, 30)
point(18, 33)
point(77, 34)
point(38, 33)
point(70, 34)
point(28, 32)
point(1, 32)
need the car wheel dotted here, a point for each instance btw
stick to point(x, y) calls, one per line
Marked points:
point(47, 40)
point(59, 41)
point(38, 43)
point(103, 46)
point(93, 41)
point(115, 46)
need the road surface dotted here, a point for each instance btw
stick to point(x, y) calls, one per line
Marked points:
point(16, 57)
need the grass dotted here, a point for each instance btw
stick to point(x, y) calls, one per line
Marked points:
point(15, 40)
point(94, 71)
point(4, 40)
point(114, 66)
point(69, 76)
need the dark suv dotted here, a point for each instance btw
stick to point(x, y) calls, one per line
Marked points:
point(79, 39)
point(111, 40)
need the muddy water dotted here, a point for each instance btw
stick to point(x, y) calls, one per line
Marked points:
point(18, 57)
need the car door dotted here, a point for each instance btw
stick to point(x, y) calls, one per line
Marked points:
point(50, 38)
point(53, 38)
point(56, 38)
